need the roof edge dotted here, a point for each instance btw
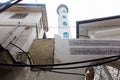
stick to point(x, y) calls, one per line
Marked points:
point(98, 19)
point(26, 4)
point(62, 5)
point(93, 20)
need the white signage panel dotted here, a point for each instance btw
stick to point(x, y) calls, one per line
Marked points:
point(98, 51)
point(78, 42)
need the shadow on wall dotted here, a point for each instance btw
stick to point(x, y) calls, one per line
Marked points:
point(11, 74)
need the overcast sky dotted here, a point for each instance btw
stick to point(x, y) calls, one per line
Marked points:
point(78, 10)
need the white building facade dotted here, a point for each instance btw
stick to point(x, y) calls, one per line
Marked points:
point(20, 25)
point(63, 24)
point(106, 28)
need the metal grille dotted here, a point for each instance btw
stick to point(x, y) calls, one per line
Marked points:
point(101, 74)
point(115, 73)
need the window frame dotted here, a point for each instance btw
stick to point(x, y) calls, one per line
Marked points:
point(64, 23)
point(64, 17)
point(65, 35)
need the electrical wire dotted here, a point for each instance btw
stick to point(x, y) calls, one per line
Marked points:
point(6, 3)
point(26, 65)
point(41, 67)
point(62, 68)
point(9, 5)
point(26, 53)
point(71, 63)
point(79, 67)
point(10, 41)
point(60, 72)
point(17, 38)
point(67, 73)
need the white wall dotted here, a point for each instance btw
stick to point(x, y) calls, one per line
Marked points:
point(24, 36)
point(63, 54)
point(61, 27)
point(110, 33)
point(30, 19)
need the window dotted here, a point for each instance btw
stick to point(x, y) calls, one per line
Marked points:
point(19, 15)
point(64, 16)
point(65, 35)
point(63, 11)
point(64, 23)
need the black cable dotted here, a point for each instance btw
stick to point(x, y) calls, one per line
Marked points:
point(9, 5)
point(5, 3)
point(15, 65)
point(85, 61)
point(56, 64)
point(65, 63)
point(10, 42)
point(17, 38)
point(84, 65)
point(26, 53)
point(67, 73)
point(62, 72)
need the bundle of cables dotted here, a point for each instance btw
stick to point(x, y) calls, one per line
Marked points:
point(107, 59)
point(46, 68)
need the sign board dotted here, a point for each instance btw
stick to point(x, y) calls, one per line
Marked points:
point(98, 51)
point(77, 42)
point(98, 47)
